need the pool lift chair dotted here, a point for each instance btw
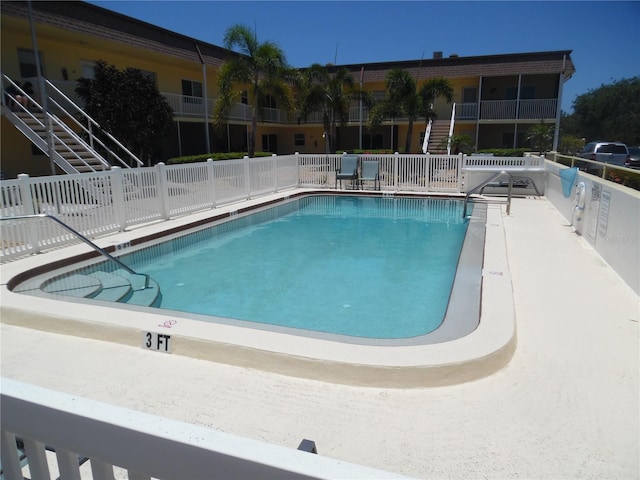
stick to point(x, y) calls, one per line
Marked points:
point(370, 173)
point(348, 170)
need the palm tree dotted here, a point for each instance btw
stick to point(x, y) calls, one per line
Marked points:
point(321, 90)
point(541, 136)
point(262, 71)
point(403, 99)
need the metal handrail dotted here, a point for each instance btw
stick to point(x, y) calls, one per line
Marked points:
point(91, 121)
point(484, 184)
point(85, 240)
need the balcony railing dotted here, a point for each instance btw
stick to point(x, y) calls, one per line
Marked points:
point(188, 106)
point(512, 109)
point(466, 111)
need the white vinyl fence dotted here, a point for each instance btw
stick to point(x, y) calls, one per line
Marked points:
point(48, 434)
point(104, 202)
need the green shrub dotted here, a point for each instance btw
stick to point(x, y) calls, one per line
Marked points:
point(624, 177)
point(372, 151)
point(215, 156)
point(506, 152)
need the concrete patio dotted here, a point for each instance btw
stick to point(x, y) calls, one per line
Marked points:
point(566, 406)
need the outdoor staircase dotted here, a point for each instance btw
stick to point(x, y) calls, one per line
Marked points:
point(78, 143)
point(67, 145)
point(117, 286)
point(438, 137)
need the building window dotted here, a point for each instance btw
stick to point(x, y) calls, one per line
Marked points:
point(298, 139)
point(27, 63)
point(269, 101)
point(244, 97)
point(470, 95)
point(191, 91)
point(526, 92)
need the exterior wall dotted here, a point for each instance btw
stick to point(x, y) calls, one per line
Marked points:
point(605, 222)
point(64, 52)
point(17, 155)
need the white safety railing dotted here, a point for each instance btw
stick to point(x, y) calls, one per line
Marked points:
point(100, 203)
point(491, 161)
point(47, 434)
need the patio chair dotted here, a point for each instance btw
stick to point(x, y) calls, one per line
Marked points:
point(348, 170)
point(370, 173)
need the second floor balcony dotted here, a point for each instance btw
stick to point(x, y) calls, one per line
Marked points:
point(185, 106)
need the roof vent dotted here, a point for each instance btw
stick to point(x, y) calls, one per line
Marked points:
point(453, 55)
point(437, 55)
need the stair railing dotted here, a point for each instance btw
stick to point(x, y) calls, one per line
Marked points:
point(52, 121)
point(91, 123)
point(484, 184)
point(98, 249)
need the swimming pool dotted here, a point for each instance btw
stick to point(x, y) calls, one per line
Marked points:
point(346, 267)
point(476, 338)
point(370, 267)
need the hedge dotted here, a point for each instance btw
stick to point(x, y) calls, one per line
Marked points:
point(215, 156)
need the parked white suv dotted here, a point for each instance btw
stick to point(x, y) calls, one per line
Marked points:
point(613, 153)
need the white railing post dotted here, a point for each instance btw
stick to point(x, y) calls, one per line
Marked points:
point(38, 465)
point(461, 161)
point(247, 177)
point(117, 198)
point(163, 190)
point(25, 194)
point(297, 155)
point(211, 172)
point(396, 161)
point(274, 159)
point(427, 159)
point(29, 209)
point(10, 461)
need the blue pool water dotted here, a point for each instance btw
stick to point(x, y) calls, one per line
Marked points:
point(372, 267)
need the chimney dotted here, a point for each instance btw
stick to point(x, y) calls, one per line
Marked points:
point(437, 55)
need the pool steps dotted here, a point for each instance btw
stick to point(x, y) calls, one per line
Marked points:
point(117, 286)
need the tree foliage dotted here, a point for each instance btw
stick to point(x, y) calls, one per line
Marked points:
point(541, 136)
point(403, 99)
point(319, 90)
point(459, 143)
point(127, 104)
point(610, 112)
point(262, 71)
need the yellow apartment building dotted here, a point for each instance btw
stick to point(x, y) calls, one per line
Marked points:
point(497, 97)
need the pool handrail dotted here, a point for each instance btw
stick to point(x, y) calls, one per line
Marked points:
point(98, 249)
point(484, 184)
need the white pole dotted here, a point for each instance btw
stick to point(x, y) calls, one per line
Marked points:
point(427, 133)
point(453, 120)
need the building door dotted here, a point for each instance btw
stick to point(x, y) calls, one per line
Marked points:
point(270, 143)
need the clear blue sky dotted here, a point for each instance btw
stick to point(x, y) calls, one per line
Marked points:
point(604, 36)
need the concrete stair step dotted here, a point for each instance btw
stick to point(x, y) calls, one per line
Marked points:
point(115, 288)
point(75, 285)
point(148, 297)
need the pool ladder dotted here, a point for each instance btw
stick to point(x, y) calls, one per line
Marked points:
point(101, 251)
point(484, 184)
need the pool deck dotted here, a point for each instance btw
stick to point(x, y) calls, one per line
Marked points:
point(567, 405)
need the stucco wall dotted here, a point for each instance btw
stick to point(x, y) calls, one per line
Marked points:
point(610, 221)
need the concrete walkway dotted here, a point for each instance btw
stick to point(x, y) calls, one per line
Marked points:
point(567, 405)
